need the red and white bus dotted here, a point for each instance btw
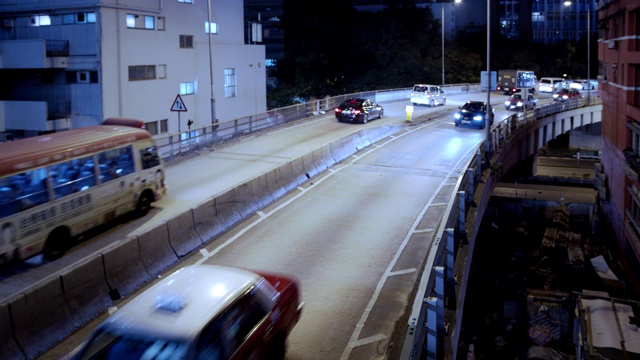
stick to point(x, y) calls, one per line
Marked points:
point(55, 187)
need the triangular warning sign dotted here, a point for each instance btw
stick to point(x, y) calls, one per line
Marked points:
point(178, 104)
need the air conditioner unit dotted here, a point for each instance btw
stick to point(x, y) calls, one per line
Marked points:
point(612, 44)
point(7, 23)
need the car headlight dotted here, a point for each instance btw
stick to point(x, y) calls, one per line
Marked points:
point(507, 103)
point(477, 117)
point(456, 116)
point(519, 103)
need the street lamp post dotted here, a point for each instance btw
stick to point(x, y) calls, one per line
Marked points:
point(487, 118)
point(589, 9)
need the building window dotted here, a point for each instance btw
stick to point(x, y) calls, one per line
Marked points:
point(152, 127)
point(214, 27)
point(160, 23)
point(142, 72)
point(229, 82)
point(135, 21)
point(79, 18)
point(164, 126)
point(633, 212)
point(186, 1)
point(40, 20)
point(162, 71)
point(81, 77)
point(187, 88)
point(634, 76)
point(186, 41)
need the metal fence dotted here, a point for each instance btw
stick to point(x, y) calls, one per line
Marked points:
point(425, 337)
point(174, 145)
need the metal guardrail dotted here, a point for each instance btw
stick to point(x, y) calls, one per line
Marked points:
point(174, 145)
point(426, 338)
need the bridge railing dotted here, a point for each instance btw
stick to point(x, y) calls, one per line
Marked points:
point(185, 142)
point(430, 326)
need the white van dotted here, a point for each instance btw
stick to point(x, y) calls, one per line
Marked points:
point(431, 95)
point(550, 84)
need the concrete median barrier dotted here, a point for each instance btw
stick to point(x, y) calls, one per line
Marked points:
point(244, 200)
point(85, 290)
point(226, 210)
point(156, 253)
point(183, 236)
point(308, 165)
point(41, 317)
point(322, 159)
point(289, 179)
point(343, 148)
point(277, 183)
point(8, 346)
point(123, 268)
point(206, 221)
point(262, 194)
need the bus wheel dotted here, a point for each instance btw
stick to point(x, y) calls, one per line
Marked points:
point(58, 242)
point(144, 204)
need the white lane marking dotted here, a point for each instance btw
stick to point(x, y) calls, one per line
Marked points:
point(356, 333)
point(402, 272)
point(369, 340)
point(283, 205)
point(422, 231)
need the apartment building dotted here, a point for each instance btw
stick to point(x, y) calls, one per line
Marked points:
point(619, 89)
point(72, 63)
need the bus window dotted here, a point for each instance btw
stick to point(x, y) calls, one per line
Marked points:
point(72, 176)
point(22, 191)
point(149, 157)
point(115, 163)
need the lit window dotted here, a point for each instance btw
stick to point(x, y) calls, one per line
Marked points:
point(187, 88)
point(149, 22)
point(141, 22)
point(40, 20)
point(186, 1)
point(214, 27)
point(229, 82)
point(131, 20)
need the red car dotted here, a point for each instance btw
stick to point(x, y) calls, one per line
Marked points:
point(202, 312)
point(567, 94)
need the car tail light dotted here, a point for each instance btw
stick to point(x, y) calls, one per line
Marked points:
point(338, 110)
point(355, 112)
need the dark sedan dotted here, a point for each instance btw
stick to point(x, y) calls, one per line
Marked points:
point(358, 110)
point(473, 114)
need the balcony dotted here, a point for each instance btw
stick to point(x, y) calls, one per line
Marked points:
point(633, 162)
point(34, 54)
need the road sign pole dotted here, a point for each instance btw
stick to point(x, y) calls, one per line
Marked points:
point(179, 122)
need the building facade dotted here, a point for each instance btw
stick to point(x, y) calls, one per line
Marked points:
point(619, 89)
point(73, 63)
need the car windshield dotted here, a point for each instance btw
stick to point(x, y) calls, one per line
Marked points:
point(351, 103)
point(107, 345)
point(473, 106)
